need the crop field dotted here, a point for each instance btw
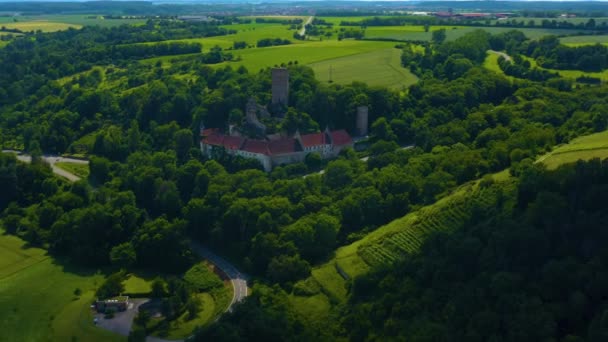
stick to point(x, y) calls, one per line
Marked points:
point(444, 216)
point(584, 40)
point(582, 148)
point(453, 32)
point(37, 297)
point(74, 19)
point(307, 53)
point(42, 25)
point(377, 68)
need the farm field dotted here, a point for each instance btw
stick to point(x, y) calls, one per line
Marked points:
point(74, 19)
point(42, 25)
point(377, 68)
point(584, 40)
point(37, 297)
point(452, 32)
point(582, 148)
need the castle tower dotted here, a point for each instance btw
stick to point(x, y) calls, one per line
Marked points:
point(362, 120)
point(280, 86)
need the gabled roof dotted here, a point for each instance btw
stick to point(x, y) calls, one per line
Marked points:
point(215, 139)
point(314, 139)
point(283, 146)
point(209, 131)
point(256, 146)
point(233, 143)
point(340, 138)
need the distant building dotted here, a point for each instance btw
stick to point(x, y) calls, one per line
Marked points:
point(120, 303)
point(280, 86)
point(281, 151)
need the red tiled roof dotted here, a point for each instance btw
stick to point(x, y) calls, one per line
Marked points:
point(314, 139)
point(216, 139)
point(256, 146)
point(341, 137)
point(282, 146)
point(209, 131)
point(233, 143)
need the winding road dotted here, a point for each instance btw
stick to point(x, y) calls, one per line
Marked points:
point(238, 279)
point(52, 160)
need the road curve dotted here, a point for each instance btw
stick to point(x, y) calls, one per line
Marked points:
point(51, 160)
point(504, 55)
point(237, 279)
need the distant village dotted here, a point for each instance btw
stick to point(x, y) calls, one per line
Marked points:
point(277, 149)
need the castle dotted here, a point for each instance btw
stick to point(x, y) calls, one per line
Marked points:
point(273, 150)
point(278, 151)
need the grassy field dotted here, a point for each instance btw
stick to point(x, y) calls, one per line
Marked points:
point(377, 68)
point(453, 32)
point(582, 148)
point(42, 25)
point(573, 74)
point(37, 297)
point(138, 284)
point(80, 170)
point(584, 40)
point(491, 63)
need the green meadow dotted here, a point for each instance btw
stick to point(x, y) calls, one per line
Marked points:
point(38, 301)
point(584, 40)
point(582, 148)
point(377, 68)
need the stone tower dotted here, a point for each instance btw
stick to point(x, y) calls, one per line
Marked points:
point(280, 86)
point(362, 120)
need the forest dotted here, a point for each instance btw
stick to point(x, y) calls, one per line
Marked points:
point(535, 271)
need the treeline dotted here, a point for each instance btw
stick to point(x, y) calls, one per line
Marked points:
point(295, 21)
point(150, 50)
point(521, 68)
point(551, 54)
point(265, 42)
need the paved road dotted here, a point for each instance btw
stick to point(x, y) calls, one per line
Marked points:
point(303, 29)
point(51, 160)
point(504, 55)
point(122, 321)
point(238, 279)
